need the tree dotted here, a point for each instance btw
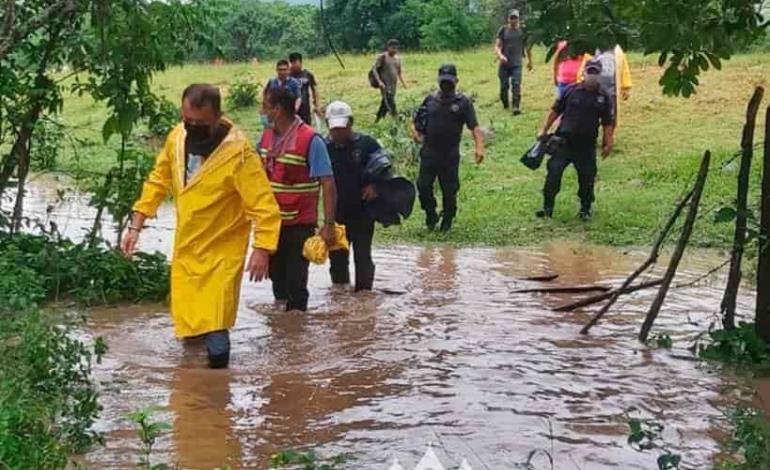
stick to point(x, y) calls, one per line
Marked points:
point(98, 38)
point(689, 36)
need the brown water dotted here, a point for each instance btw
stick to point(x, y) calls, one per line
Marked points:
point(450, 356)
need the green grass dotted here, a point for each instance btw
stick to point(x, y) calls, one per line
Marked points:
point(658, 145)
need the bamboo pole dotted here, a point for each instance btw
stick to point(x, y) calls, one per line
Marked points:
point(676, 258)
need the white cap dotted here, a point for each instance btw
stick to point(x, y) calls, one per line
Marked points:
point(338, 114)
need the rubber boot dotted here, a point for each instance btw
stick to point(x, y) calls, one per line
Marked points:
point(516, 104)
point(431, 219)
point(218, 348)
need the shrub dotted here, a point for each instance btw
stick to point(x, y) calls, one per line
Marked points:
point(243, 94)
point(741, 346)
point(59, 269)
point(47, 400)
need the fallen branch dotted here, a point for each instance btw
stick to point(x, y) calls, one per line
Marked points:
point(676, 258)
point(564, 290)
point(542, 278)
point(651, 260)
point(607, 295)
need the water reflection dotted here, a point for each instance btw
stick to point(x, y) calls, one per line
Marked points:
point(203, 434)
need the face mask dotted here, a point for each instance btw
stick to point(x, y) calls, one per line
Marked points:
point(265, 121)
point(447, 87)
point(591, 81)
point(197, 132)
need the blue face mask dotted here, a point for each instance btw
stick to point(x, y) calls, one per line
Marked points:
point(265, 121)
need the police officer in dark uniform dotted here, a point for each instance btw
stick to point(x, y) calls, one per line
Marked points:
point(438, 126)
point(582, 108)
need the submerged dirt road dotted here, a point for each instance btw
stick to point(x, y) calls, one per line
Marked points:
point(449, 355)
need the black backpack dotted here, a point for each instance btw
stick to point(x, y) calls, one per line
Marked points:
point(373, 82)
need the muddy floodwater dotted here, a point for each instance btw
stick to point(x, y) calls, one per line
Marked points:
point(444, 353)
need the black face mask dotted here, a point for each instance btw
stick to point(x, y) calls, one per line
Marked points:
point(447, 88)
point(197, 132)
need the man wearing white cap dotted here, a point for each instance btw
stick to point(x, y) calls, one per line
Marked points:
point(358, 162)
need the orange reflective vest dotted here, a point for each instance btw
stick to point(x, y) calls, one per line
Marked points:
point(289, 174)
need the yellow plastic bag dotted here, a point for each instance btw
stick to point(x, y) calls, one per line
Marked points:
point(316, 251)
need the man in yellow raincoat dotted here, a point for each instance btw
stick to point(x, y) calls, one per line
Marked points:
point(222, 196)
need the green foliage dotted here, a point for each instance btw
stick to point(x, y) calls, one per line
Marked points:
point(751, 438)
point(305, 460)
point(47, 400)
point(46, 143)
point(250, 29)
point(662, 341)
point(21, 287)
point(243, 93)
point(122, 186)
point(447, 24)
point(163, 116)
point(689, 36)
point(741, 346)
point(148, 432)
point(646, 435)
point(53, 269)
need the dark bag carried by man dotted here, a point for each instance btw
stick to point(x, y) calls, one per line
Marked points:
point(533, 157)
point(373, 82)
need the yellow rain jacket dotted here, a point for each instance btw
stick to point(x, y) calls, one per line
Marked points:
point(226, 200)
point(623, 81)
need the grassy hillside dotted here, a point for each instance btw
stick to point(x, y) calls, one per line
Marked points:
point(658, 144)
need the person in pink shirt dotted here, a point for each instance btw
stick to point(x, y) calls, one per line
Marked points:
point(566, 67)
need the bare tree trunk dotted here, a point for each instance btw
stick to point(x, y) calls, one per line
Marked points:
point(676, 258)
point(763, 269)
point(18, 208)
point(96, 228)
point(747, 152)
point(652, 259)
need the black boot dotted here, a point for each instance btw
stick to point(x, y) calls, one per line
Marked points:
point(446, 224)
point(431, 219)
point(218, 348)
point(585, 213)
point(516, 105)
point(545, 213)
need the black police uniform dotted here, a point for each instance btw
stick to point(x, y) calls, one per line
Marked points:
point(349, 162)
point(440, 119)
point(582, 111)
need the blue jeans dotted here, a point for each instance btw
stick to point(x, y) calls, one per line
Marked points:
point(561, 88)
point(510, 80)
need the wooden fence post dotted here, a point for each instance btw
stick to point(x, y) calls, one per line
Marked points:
point(730, 297)
point(763, 270)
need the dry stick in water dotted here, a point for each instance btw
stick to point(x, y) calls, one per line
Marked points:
point(684, 238)
point(563, 290)
point(607, 295)
point(730, 297)
point(651, 260)
point(631, 289)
